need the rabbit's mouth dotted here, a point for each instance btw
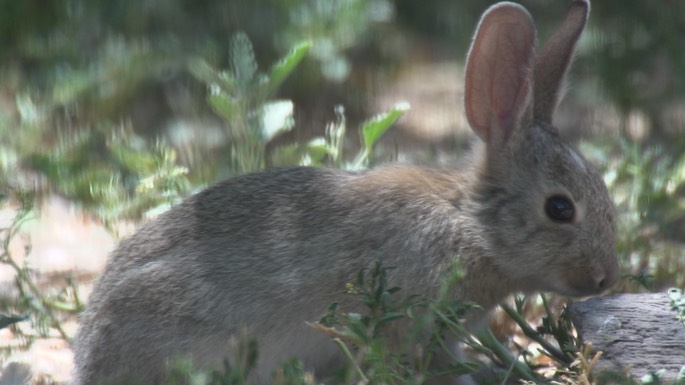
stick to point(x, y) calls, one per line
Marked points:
point(586, 286)
point(579, 293)
point(584, 276)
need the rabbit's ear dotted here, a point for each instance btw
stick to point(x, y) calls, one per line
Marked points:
point(498, 73)
point(554, 59)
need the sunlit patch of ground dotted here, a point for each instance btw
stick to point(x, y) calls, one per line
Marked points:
point(64, 243)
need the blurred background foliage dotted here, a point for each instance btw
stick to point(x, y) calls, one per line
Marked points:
point(110, 103)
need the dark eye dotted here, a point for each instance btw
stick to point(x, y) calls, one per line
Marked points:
point(559, 208)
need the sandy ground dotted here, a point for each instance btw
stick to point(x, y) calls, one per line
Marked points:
point(63, 243)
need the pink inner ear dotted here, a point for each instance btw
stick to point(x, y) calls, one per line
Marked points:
point(510, 84)
point(498, 72)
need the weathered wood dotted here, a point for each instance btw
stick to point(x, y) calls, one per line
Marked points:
point(639, 332)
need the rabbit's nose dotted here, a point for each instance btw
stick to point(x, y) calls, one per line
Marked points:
point(605, 279)
point(602, 284)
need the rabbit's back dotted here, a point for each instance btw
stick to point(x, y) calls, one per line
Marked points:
point(262, 252)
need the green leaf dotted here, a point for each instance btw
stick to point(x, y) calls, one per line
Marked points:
point(243, 63)
point(680, 379)
point(357, 327)
point(207, 74)
point(280, 71)
point(457, 369)
point(388, 317)
point(375, 127)
point(223, 105)
point(6, 321)
point(132, 159)
point(317, 150)
point(653, 378)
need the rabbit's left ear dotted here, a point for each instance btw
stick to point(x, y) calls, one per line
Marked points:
point(554, 59)
point(498, 79)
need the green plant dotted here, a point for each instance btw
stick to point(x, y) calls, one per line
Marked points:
point(656, 378)
point(45, 310)
point(240, 96)
point(559, 328)
point(648, 186)
point(7, 320)
point(333, 27)
point(233, 373)
point(153, 182)
point(108, 169)
point(429, 325)
point(677, 302)
point(329, 149)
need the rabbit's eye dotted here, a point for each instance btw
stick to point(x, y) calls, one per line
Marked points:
point(559, 208)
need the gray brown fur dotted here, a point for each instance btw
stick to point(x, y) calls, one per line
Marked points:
point(266, 252)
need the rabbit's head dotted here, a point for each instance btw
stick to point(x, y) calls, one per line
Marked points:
point(545, 212)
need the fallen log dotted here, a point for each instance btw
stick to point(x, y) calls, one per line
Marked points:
point(637, 334)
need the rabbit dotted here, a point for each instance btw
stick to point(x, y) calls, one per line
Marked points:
point(263, 253)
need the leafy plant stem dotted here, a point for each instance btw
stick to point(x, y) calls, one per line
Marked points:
point(535, 336)
point(23, 279)
point(351, 360)
point(490, 341)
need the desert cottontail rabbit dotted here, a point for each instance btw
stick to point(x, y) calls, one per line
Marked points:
point(265, 252)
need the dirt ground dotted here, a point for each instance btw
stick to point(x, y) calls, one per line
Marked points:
point(63, 243)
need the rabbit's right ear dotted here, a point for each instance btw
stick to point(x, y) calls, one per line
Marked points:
point(497, 93)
